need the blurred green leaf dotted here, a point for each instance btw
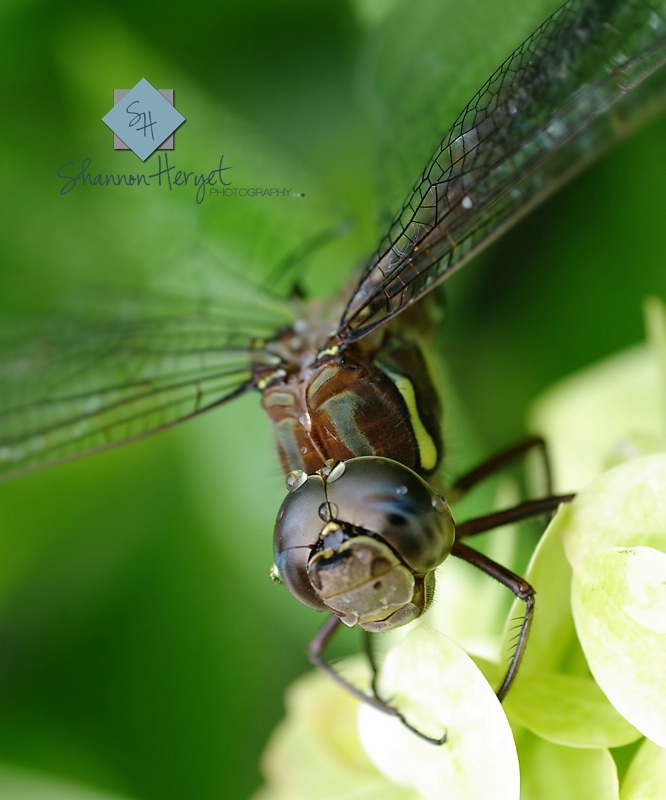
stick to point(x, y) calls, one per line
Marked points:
point(568, 709)
point(646, 778)
point(19, 785)
point(553, 771)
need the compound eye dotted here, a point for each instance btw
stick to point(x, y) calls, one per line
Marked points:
point(391, 501)
point(296, 532)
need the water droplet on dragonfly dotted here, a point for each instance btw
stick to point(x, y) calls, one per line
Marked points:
point(328, 511)
point(295, 479)
point(274, 575)
point(439, 503)
point(305, 421)
point(337, 472)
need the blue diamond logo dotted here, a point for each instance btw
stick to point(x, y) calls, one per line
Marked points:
point(143, 119)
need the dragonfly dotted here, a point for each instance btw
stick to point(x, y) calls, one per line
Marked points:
point(349, 399)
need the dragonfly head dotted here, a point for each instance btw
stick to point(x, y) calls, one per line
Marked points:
point(362, 539)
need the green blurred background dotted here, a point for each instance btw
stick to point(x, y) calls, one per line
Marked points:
point(143, 651)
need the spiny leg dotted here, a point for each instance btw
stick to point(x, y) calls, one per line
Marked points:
point(529, 508)
point(520, 588)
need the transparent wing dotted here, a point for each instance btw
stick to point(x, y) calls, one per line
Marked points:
point(72, 387)
point(540, 117)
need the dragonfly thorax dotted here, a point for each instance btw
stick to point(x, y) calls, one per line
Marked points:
point(371, 398)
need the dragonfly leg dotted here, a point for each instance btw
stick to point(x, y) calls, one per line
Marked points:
point(501, 460)
point(521, 511)
point(521, 589)
point(316, 655)
point(525, 510)
point(368, 640)
point(519, 586)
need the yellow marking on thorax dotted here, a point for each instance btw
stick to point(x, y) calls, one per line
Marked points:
point(424, 441)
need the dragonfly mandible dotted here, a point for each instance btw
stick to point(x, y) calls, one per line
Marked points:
point(352, 407)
